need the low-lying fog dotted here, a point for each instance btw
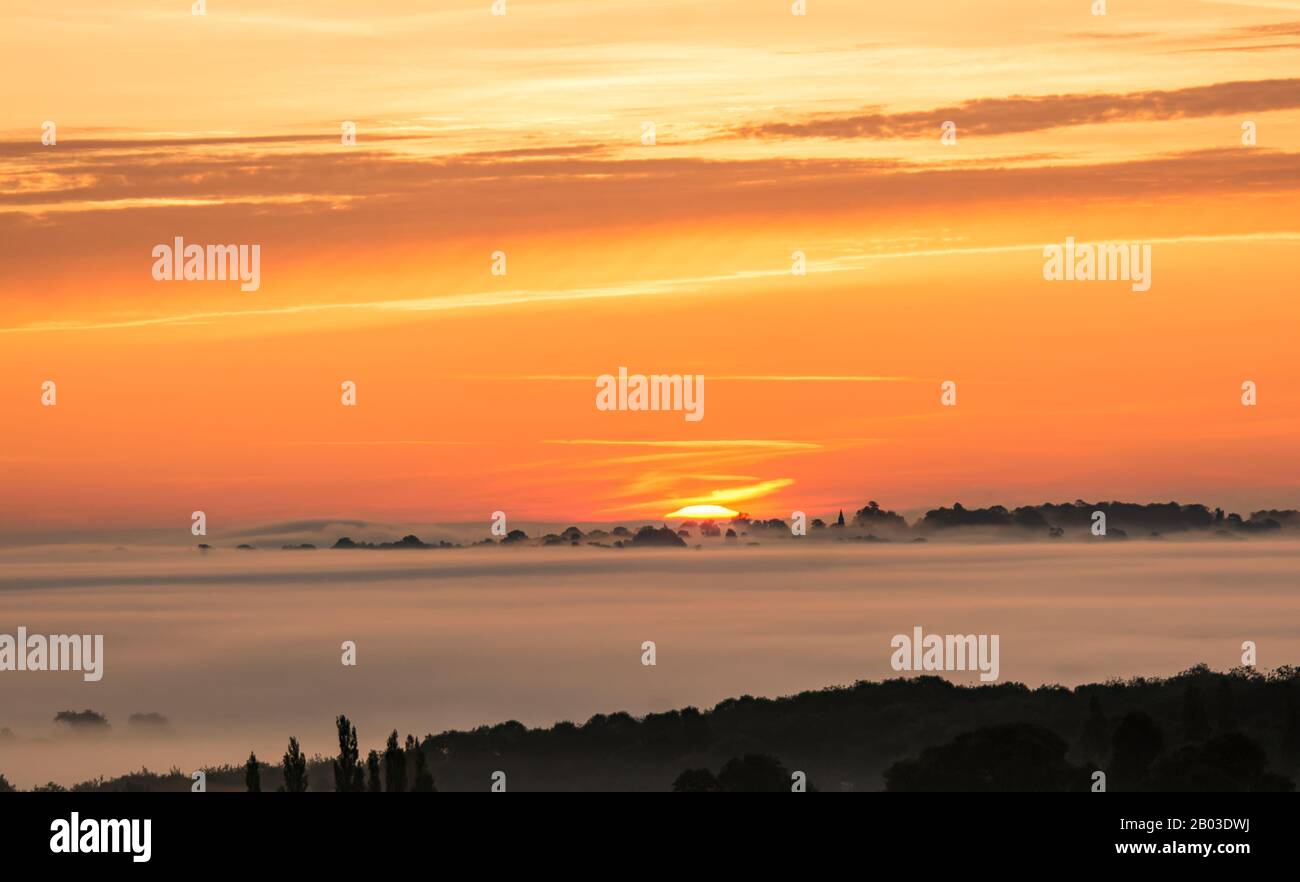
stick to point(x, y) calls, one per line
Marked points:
point(238, 650)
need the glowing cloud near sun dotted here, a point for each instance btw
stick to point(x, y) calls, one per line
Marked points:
point(703, 511)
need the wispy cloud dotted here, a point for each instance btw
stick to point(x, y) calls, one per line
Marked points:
point(726, 496)
point(491, 299)
point(692, 444)
point(756, 378)
point(1035, 113)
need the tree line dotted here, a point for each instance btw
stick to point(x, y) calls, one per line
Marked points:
point(400, 768)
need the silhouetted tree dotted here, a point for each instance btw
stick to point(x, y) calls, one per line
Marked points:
point(657, 536)
point(754, 773)
point(877, 518)
point(751, 773)
point(1196, 722)
point(295, 769)
point(422, 777)
point(1135, 745)
point(612, 751)
point(1227, 715)
point(150, 721)
point(394, 766)
point(1229, 763)
point(252, 774)
point(1291, 725)
point(1094, 740)
point(1010, 757)
point(5, 786)
point(349, 776)
point(696, 781)
point(374, 783)
point(85, 721)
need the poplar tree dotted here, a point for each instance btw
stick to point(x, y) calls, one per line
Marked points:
point(423, 778)
point(295, 768)
point(394, 765)
point(349, 776)
point(252, 774)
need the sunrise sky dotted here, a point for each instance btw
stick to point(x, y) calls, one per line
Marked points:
point(522, 133)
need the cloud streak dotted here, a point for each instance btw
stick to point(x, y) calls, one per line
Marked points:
point(1023, 113)
point(518, 297)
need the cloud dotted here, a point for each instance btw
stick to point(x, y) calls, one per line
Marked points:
point(1021, 113)
point(757, 378)
point(304, 526)
point(1241, 39)
point(693, 444)
point(386, 202)
point(388, 192)
point(726, 496)
point(516, 297)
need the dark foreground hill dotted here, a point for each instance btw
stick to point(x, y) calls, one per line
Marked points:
point(1199, 730)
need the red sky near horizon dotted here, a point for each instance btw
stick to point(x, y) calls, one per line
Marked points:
point(523, 133)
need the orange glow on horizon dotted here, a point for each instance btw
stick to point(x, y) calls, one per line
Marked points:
point(797, 234)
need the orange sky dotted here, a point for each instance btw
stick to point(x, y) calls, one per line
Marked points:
point(523, 133)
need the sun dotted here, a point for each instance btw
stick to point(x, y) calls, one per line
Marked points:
point(717, 512)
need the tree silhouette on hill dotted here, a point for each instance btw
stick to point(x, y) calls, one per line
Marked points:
point(1196, 722)
point(1291, 724)
point(83, 721)
point(751, 773)
point(1134, 747)
point(1225, 763)
point(252, 774)
point(1011, 757)
point(349, 775)
point(657, 536)
point(877, 518)
point(394, 765)
point(422, 778)
point(1227, 714)
point(295, 768)
point(754, 773)
point(1094, 740)
point(918, 726)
